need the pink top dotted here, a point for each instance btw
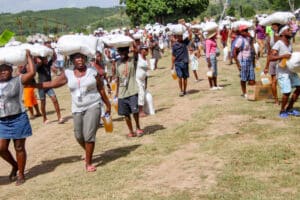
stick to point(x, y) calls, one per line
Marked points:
point(245, 52)
point(211, 47)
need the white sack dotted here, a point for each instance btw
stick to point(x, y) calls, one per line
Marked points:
point(277, 17)
point(13, 55)
point(210, 26)
point(178, 29)
point(149, 107)
point(117, 40)
point(293, 63)
point(70, 44)
point(38, 50)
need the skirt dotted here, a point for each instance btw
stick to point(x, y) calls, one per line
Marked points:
point(15, 127)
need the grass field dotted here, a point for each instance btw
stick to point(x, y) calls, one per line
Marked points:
point(206, 145)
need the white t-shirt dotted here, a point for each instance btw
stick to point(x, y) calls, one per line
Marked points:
point(282, 49)
point(83, 90)
point(142, 66)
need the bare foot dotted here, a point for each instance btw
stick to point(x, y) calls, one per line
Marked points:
point(13, 174)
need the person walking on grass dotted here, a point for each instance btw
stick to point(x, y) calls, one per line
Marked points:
point(127, 92)
point(211, 58)
point(287, 79)
point(141, 77)
point(44, 68)
point(180, 59)
point(271, 66)
point(30, 101)
point(194, 56)
point(14, 122)
point(87, 93)
point(244, 58)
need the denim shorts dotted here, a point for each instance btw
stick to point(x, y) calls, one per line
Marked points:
point(182, 69)
point(247, 70)
point(128, 105)
point(214, 67)
point(287, 81)
point(42, 93)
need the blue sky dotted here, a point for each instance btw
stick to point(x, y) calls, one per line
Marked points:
point(14, 6)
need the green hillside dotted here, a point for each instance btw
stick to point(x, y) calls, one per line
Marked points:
point(63, 20)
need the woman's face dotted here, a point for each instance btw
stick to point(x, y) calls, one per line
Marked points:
point(98, 57)
point(275, 28)
point(79, 61)
point(5, 73)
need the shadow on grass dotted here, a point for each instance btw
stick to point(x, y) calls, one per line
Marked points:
point(43, 168)
point(193, 91)
point(113, 154)
point(153, 128)
point(119, 119)
point(53, 111)
point(225, 85)
point(162, 109)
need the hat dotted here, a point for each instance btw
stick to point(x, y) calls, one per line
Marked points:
point(210, 34)
point(243, 27)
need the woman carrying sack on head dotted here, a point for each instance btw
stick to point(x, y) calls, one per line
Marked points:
point(14, 122)
point(87, 92)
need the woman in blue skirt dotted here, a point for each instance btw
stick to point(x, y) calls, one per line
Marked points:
point(14, 122)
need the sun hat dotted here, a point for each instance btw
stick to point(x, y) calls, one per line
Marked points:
point(210, 34)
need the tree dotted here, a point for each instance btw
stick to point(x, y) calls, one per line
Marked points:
point(149, 11)
point(248, 11)
point(284, 5)
point(231, 11)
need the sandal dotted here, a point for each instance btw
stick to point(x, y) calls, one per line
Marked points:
point(130, 135)
point(61, 121)
point(139, 132)
point(90, 168)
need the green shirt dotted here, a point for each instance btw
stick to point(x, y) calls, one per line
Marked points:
point(127, 81)
point(269, 31)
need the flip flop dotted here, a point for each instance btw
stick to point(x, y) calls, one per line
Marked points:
point(130, 135)
point(139, 132)
point(61, 121)
point(90, 168)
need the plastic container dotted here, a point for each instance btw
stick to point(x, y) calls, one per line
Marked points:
point(113, 86)
point(265, 79)
point(174, 75)
point(257, 66)
point(115, 104)
point(209, 74)
point(108, 126)
point(149, 105)
point(283, 63)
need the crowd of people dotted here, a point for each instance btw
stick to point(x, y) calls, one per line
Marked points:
point(122, 73)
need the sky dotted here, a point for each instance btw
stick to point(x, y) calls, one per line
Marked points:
point(14, 6)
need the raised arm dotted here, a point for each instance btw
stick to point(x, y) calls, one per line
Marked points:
point(29, 75)
point(57, 82)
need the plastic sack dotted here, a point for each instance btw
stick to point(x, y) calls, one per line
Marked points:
point(38, 50)
point(152, 63)
point(265, 79)
point(70, 44)
point(293, 63)
point(149, 107)
point(210, 26)
point(277, 17)
point(235, 25)
point(117, 40)
point(13, 55)
point(178, 29)
point(225, 53)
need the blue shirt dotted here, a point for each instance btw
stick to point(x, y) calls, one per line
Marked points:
point(180, 51)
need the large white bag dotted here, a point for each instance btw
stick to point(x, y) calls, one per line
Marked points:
point(37, 49)
point(177, 29)
point(210, 26)
point(13, 55)
point(235, 25)
point(149, 107)
point(70, 44)
point(225, 53)
point(277, 17)
point(293, 63)
point(117, 41)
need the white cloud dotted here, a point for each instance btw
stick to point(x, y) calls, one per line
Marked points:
point(21, 5)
